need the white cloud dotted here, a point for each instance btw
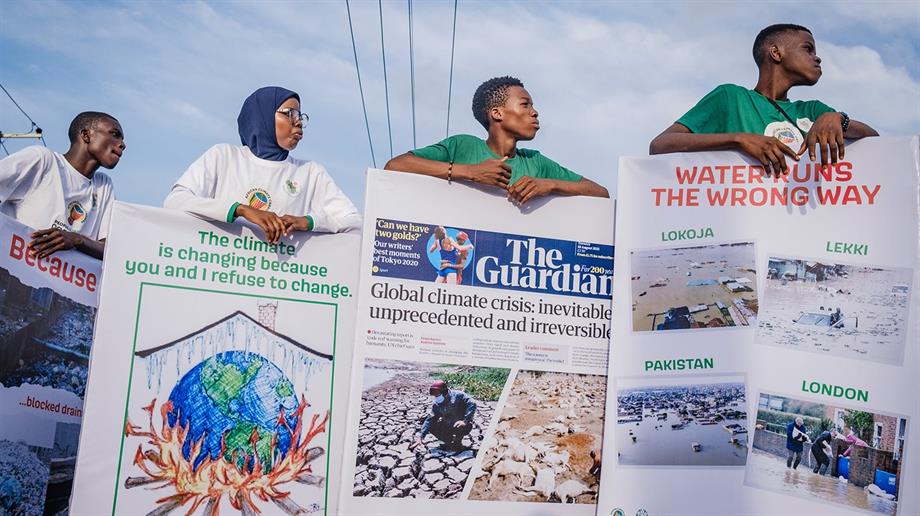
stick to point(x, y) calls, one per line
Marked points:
point(857, 81)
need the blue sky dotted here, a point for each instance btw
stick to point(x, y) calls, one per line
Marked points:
point(606, 76)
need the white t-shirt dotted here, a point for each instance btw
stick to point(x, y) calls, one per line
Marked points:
point(227, 174)
point(41, 189)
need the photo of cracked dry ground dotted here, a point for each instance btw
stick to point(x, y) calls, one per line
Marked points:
point(547, 444)
point(394, 404)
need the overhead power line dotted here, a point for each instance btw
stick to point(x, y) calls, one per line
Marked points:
point(386, 87)
point(18, 106)
point(412, 73)
point(34, 132)
point(450, 81)
point(360, 85)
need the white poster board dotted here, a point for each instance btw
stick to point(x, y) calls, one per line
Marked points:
point(746, 302)
point(219, 371)
point(510, 308)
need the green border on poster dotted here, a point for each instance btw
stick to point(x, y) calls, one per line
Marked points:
point(140, 296)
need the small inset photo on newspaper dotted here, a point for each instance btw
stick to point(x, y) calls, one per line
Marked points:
point(828, 453)
point(421, 426)
point(850, 311)
point(682, 421)
point(546, 446)
point(450, 252)
point(710, 286)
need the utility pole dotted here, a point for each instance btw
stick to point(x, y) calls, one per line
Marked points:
point(35, 132)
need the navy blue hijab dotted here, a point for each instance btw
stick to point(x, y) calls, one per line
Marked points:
point(257, 122)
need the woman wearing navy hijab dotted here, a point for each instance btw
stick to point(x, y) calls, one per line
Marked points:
point(259, 181)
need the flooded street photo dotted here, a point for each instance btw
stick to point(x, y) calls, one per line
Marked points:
point(840, 310)
point(770, 472)
point(694, 287)
point(696, 421)
point(828, 452)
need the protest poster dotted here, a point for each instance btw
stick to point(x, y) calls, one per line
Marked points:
point(47, 309)
point(507, 306)
point(219, 371)
point(765, 336)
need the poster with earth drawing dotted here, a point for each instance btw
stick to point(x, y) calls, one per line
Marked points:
point(216, 386)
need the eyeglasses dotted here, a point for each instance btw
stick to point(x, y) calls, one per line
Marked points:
point(294, 115)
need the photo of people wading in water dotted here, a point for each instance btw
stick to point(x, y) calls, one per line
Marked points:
point(832, 453)
point(422, 426)
point(450, 251)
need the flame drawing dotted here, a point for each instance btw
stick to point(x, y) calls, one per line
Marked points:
point(197, 478)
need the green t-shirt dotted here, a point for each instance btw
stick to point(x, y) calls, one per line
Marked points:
point(470, 150)
point(734, 109)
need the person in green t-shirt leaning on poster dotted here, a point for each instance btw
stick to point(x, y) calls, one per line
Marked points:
point(505, 109)
point(763, 123)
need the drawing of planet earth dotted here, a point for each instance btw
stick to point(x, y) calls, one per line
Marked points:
point(230, 399)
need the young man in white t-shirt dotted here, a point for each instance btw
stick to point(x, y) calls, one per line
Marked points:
point(62, 195)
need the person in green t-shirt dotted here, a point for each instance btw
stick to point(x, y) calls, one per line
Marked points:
point(505, 109)
point(763, 123)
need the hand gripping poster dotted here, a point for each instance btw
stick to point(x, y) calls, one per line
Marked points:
point(480, 352)
point(47, 309)
point(219, 370)
point(766, 336)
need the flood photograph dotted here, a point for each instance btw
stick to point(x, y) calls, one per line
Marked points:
point(830, 453)
point(849, 311)
point(689, 421)
point(710, 286)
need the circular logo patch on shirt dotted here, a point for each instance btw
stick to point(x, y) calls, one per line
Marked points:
point(292, 186)
point(786, 133)
point(75, 213)
point(259, 199)
point(804, 123)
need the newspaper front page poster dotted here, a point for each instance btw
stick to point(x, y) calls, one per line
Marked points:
point(481, 351)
